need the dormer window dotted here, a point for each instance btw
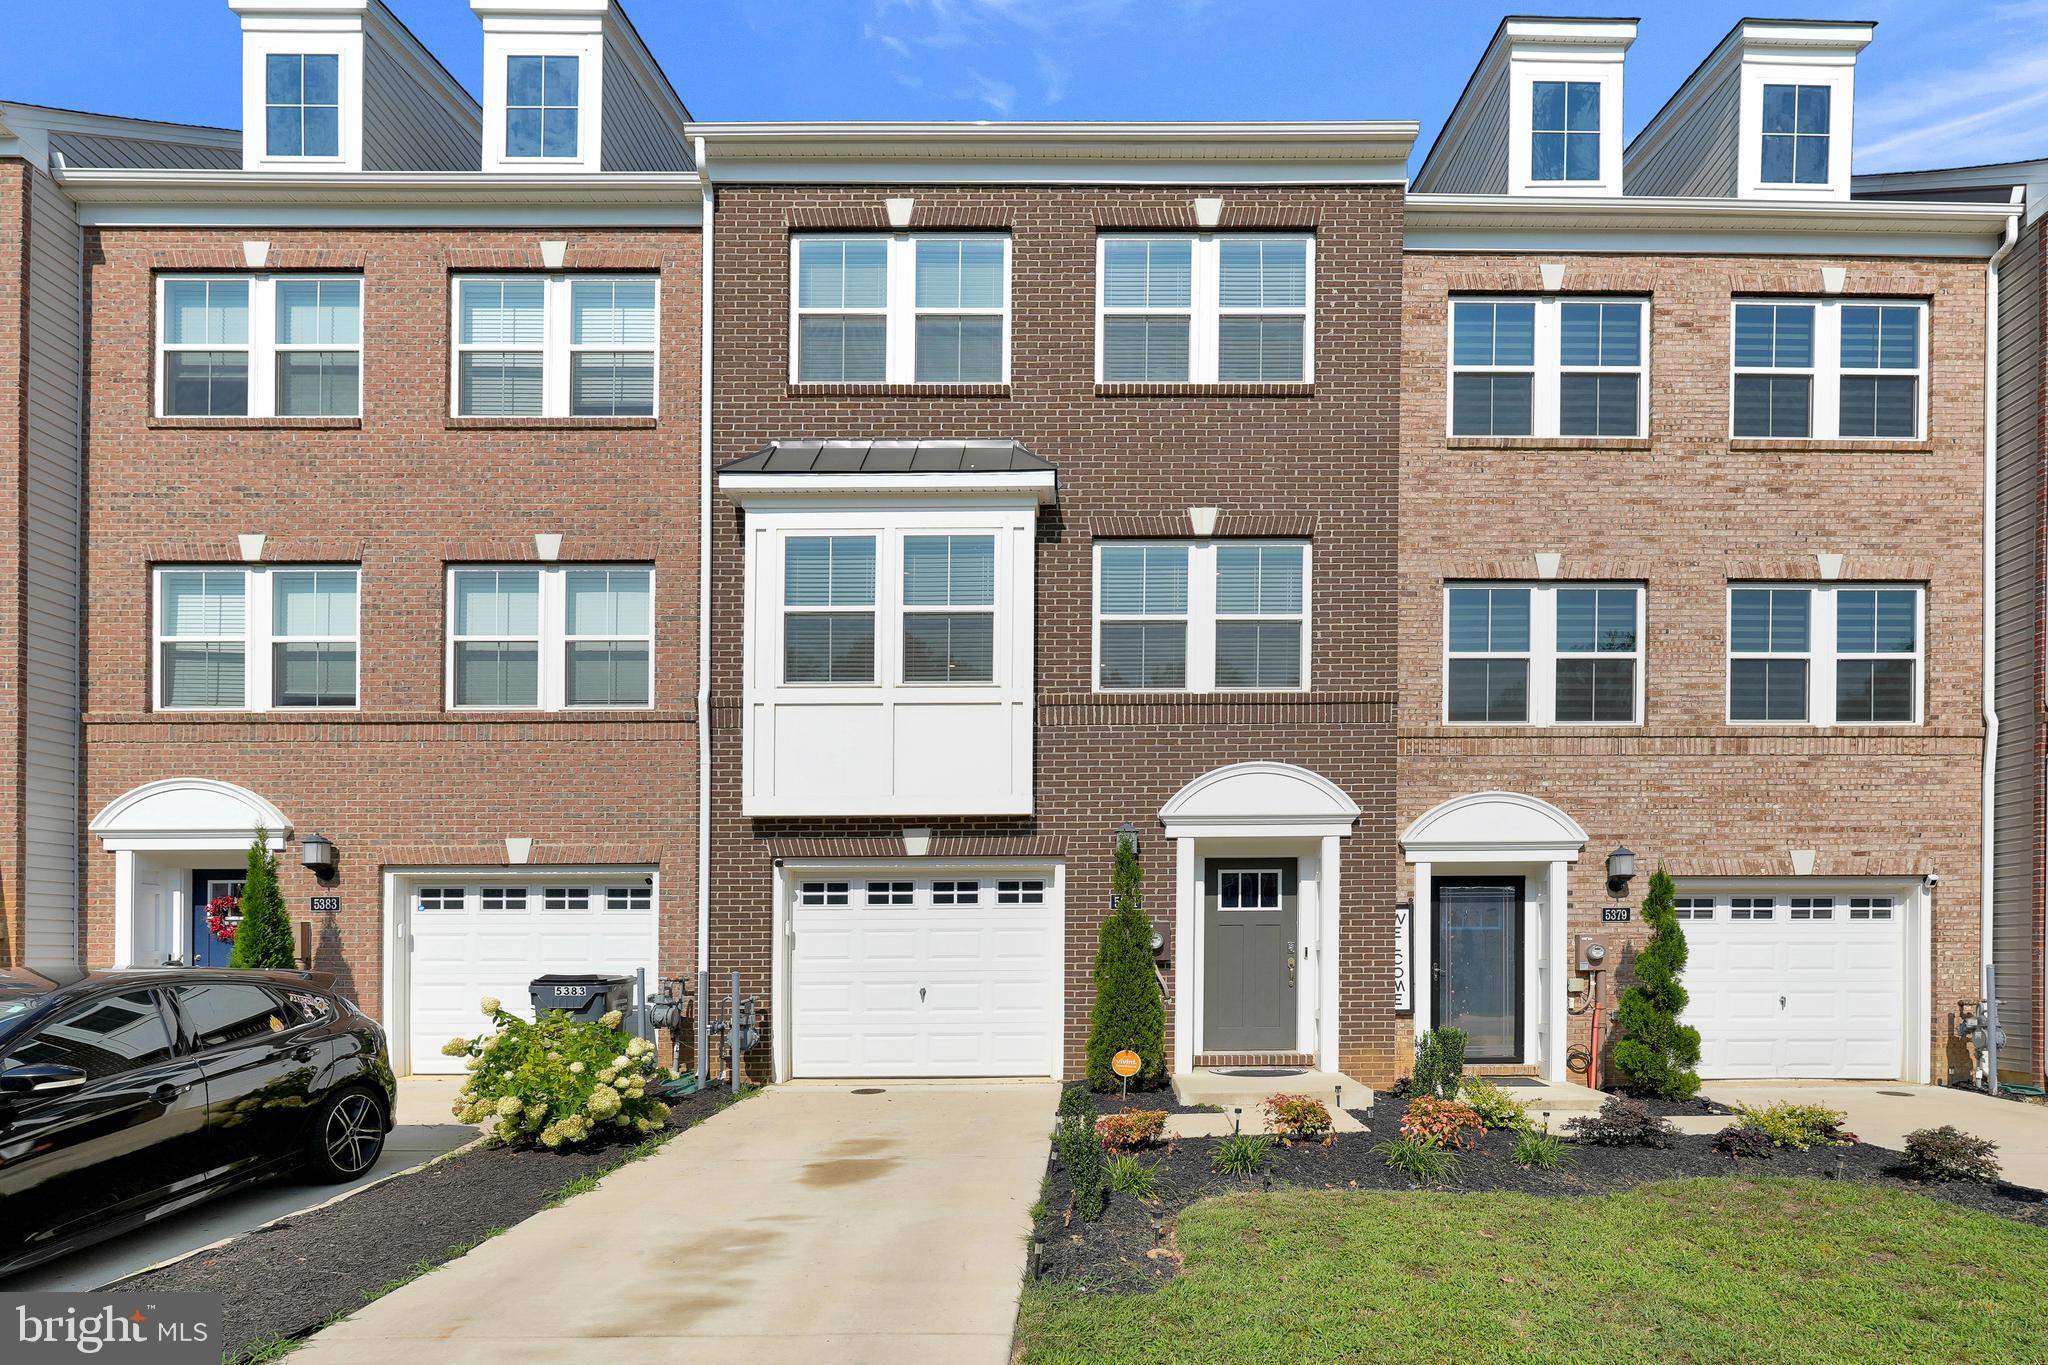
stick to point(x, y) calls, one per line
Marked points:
point(1796, 134)
point(302, 104)
point(541, 107)
point(1564, 130)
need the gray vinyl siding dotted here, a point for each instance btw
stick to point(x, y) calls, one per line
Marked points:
point(2017, 790)
point(51, 493)
point(1478, 162)
point(636, 138)
point(141, 153)
point(1698, 158)
point(406, 126)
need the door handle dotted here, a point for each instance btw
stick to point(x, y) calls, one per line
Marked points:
point(1781, 1002)
point(303, 1053)
point(1290, 962)
point(920, 995)
point(168, 1093)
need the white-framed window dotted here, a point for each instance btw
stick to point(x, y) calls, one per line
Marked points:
point(556, 345)
point(949, 608)
point(1811, 907)
point(922, 308)
point(1693, 907)
point(1752, 908)
point(543, 101)
point(1872, 907)
point(1796, 125)
point(259, 345)
point(550, 637)
point(824, 893)
point(1543, 653)
point(1564, 130)
point(956, 893)
point(1829, 369)
point(1548, 367)
point(1020, 891)
point(1833, 654)
point(268, 639)
point(302, 104)
point(1232, 308)
point(828, 618)
point(1202, 616)
point(944, 607)
point(891, 893)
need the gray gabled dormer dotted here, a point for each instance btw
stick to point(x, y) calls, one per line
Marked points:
point(1540, 116)
point(569, 87)
point(1768, 115)
point(341, 85)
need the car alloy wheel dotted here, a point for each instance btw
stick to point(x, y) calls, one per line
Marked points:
point(354, 1137)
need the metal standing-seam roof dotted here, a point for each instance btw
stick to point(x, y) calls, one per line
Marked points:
point(889, 457)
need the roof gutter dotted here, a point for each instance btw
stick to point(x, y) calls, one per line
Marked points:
point(1987, 908)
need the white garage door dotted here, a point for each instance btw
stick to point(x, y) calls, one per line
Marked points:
point(1796, 986)
point(473, 939)
point(898, 975)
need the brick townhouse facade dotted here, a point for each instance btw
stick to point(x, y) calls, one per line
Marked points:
point(1409, 566)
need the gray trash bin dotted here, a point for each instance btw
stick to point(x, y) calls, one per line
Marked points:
point(583, 996)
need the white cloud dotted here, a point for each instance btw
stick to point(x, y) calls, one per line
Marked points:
point(1953, 86)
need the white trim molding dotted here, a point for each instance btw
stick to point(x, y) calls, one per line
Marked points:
point(189, 813)
point(1259, 800)
point(1493, 826)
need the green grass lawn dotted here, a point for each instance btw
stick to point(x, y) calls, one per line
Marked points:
point(1694, 1270)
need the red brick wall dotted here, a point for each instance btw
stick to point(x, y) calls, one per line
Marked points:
point(1325, 452)
point(1685, 511)
point(404, 491)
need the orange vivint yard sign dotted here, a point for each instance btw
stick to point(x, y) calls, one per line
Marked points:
point(1125, 1064)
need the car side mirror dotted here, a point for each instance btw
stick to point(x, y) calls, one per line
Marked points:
point(41, 1078)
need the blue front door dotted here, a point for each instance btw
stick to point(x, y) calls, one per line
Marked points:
point(208, 950)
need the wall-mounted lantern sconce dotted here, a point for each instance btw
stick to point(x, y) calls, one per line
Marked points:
point(1127, 830)
point(318, 854)
point(1621, 870)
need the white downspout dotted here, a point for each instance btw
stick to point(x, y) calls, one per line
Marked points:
point(704, 585)
point(1987, 917)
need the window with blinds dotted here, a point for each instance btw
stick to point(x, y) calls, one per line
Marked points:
point(1543, 653)
point(1548, 367)
point(949, 600)
point(1230, 308)
point(556, 346)
point(1848, 654)
point(260, 346)
point(1201, 616)
point(828, 597)
point(256, 639)
point(551, 638)
point(1829, 369)
point(900, 309)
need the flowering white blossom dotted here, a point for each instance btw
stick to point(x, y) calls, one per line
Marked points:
point(490, 1004)
point(508, 1105)
point(612, 1018)
point(603, 1102)
point(455, 1047)
point(575, 1068)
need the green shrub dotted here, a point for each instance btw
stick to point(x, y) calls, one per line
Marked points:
point(1297, 1116)
point(1745, 1140)
point(1497, 1109)
point(1654, 1053)
point(1798, 1126)
point(1076, 1101)
point(1129, 1011)
point(1128, 1175)
point(1131, 1127)
point(1440, 1123)
point(1440, 1063)
point(263, 940)
point(1081, 1153)
point(1948, 1153)
point(556, 1082)
point(1622, 1122)
point(1242, 1153)
point(1538, 1148)
point(1423, 1160)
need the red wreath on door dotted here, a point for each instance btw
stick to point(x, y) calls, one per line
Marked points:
point(218, 923)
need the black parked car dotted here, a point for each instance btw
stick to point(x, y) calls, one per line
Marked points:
point(126, 1096)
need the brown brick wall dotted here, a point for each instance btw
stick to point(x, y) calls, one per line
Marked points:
point(1325, 451)
point(405, 491)
point(1684, 512)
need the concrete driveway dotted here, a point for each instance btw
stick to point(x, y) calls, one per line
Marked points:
point(424, 1131)
point(1883, 1112)
point(809, 1223)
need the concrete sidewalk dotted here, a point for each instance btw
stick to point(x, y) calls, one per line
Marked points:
point(808, 1223)
point(1883, 1112)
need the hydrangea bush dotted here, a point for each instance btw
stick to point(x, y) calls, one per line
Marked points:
point(557, 1082)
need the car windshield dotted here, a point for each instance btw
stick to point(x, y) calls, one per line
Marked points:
point(15, 1008)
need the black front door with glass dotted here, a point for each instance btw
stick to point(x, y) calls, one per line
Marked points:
point(1248, 951)
point(1476, 942)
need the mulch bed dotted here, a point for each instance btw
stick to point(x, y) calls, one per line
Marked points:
point(1149, 1099)
point(1130, 1249)
point(288, 1279)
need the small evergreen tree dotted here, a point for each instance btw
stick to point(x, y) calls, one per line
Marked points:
point(1128, 1010)
point(1654, 1053)
point(264, 937)
point(1439, 1064)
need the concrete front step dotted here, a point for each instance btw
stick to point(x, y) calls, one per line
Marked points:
point(1246, 1092)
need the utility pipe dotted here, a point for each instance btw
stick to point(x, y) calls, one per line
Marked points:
point(1986, 914)
point(709, 199)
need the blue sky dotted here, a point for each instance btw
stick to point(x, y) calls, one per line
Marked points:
point(1945, 83)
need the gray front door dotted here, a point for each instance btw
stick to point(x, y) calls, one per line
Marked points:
point(1248, 927)
point(1478, 957)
